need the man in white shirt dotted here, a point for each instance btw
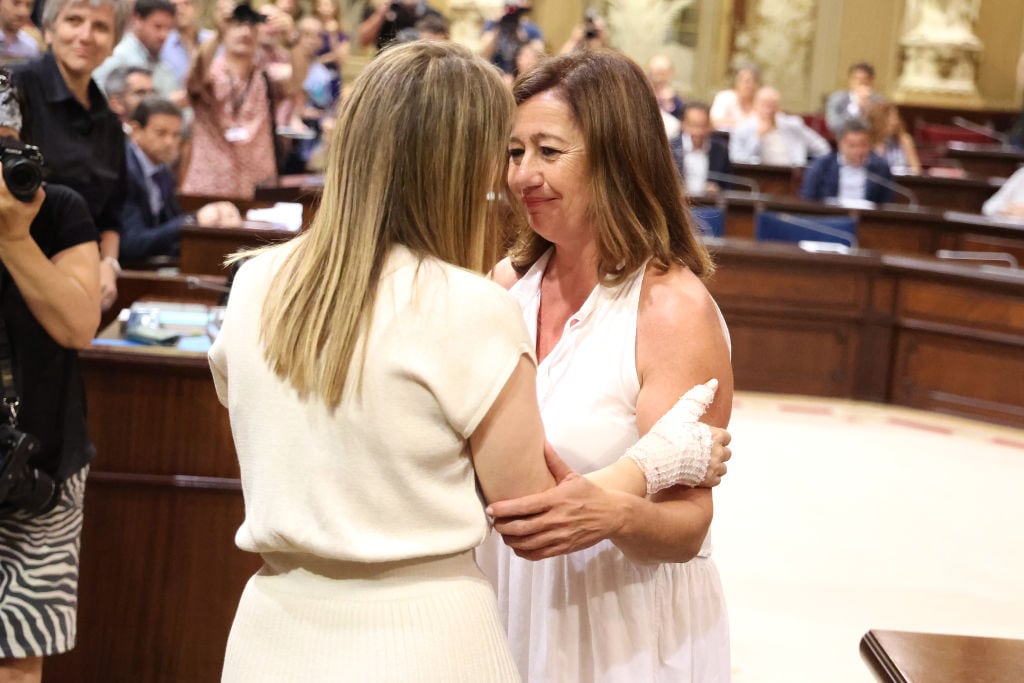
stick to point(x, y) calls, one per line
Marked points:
point(1008, 202)
point(698, 155)
point(852, 103)
point(152, 22)
point(774, 138)
point(15, 43)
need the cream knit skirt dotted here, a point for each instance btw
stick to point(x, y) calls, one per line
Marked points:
point(307, 619)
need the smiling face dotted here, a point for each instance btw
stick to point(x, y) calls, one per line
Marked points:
point(82, 37)
point(548, 171)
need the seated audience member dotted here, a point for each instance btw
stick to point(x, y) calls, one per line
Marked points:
point(182, 43)
point(383, 19)
point(846, 174)
point(501, 39)
point(1009, 200)
point(15, 42)
point(731, 107)
point(152, 217)
point(890, 140)
point(853, 102)
point(771, 137)
point(126, 87)
point(232, 131)
point(152, 21)
point(662, 74)
point(696, 152)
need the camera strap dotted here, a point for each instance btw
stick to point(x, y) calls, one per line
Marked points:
point(9, 400)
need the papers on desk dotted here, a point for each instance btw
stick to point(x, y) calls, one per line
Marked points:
point(823, 247)
point(288, 215)
point(188, 327)
point(850, 203)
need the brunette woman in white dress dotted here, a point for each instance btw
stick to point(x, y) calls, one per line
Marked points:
point(595, 586)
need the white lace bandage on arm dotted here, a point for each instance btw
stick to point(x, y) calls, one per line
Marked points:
point(677, 449)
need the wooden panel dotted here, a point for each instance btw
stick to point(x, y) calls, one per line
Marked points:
point(989, 160)
point(160, 581)
point(954, 374)
point(962, 306)
point(204, 249)
point(806, 291)
point(970, 241)
point(160, 576)
point(792, 356)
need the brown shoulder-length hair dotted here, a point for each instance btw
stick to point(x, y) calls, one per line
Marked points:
point(638, 207)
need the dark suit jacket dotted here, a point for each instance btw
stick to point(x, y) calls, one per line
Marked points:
point(146, 235)
point(821, 179)
point(718, 159)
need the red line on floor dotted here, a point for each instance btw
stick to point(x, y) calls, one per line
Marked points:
point(1008, 442)
point(901, 422)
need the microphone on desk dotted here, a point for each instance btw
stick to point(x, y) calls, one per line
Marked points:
point(987, 131)
point(751, 185)
point(192, 282)
point(895, 187)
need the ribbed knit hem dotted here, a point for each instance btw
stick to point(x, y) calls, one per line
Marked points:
point(308, 619)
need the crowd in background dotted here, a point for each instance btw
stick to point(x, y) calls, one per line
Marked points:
point(258, 88)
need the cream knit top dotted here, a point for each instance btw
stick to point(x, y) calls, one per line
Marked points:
point(387, 475)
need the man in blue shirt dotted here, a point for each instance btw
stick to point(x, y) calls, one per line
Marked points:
point(854, 173)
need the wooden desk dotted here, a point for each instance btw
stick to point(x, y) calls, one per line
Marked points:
point(917, 332)
point(773, 180)
point(160, 574)
point(991, 160)
point(965, 193)
point(888, 228)
point(203, 249)
point(905, 657)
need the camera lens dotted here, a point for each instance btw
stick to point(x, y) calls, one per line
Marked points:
point(23, 178)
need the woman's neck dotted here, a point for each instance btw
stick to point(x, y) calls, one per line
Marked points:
point(573, 273)
point(78, 84)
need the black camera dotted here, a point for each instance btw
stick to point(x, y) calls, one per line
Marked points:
point(510, 19)
point(590, 24)
point(23, 168)
point(22, 486)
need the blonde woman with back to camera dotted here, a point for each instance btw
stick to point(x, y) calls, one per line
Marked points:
point(373, 376)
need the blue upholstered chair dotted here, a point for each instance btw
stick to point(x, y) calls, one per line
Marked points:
point(710, 220)
point(788, 227)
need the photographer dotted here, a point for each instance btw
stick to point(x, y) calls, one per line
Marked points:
point(383, 19)
point(49, 300)
point(502, 39)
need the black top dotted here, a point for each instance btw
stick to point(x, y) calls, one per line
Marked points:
point(399, 17)
point(46, 374)
point(84, 148)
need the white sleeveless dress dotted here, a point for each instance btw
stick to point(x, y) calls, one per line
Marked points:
point(595, 616)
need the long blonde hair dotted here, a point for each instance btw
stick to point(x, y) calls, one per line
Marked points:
point(417, 155)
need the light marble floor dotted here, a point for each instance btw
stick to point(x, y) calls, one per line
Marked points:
point(837, 517)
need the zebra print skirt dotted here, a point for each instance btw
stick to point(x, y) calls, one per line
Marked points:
point(39, 575)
